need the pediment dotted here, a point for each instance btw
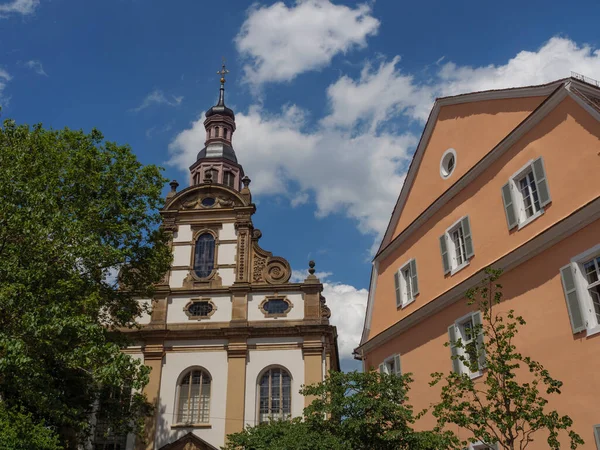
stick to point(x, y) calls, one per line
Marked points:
point(205, 197)
point(189, 442)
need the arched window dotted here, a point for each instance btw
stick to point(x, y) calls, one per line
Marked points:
point(228, 178)
point(225, 133)
point(204, 255)
point(275, 391)
point(217, 131)
point(194, 397)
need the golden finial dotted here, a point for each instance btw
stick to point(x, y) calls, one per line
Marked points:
point(223, 71)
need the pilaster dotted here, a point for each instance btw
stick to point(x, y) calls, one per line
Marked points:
point(153, 358)
point(312, 351)
point(237, 351)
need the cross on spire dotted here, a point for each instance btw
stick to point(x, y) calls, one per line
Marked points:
point(223, 72)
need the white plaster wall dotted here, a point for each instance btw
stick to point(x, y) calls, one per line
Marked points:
point(175, 363)
point(296, 313)
point(227, 232)
point(227, 253)
point(227, 276)
point(182, 255)
point(175, 313)
point(183, 234)
point(177, 277)
point(145, 317)
point(258, 360)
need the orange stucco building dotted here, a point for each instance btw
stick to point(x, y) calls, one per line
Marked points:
point(508, 178)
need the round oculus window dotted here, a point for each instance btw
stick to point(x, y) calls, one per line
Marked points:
point(208, 202)
point(448, 163)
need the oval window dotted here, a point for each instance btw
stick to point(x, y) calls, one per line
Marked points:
point(200, 309)
point(204, 255)
point(448, 163)
point(276, 306)
point(208, 202)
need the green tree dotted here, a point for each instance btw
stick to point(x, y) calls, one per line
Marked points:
point(506, 406)
point(350, 411)
point(73, 209)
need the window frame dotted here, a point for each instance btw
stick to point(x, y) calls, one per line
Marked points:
point(197, 235)
point(186, 308)
point(190, 370)
point(406, 299)
point(260, 377)
point(517, 196)
point(459, 330)
point(451, 247)
point(268, 298)
point(229, 173)
point(389, 365)
point(592, 323)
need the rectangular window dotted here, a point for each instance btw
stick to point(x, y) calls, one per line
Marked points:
point(456, 245)
point(407, 284)
point(391, 365)
point(581, 285)
point(472, 344)
point(529, 195)
point(458, 239)
point(526, 194)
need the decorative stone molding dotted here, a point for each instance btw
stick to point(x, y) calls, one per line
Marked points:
point(271, 298)
point(193, 301)
point(193, 282)
point(267, 268)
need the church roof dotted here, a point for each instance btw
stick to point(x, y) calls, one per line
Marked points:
point(217, 150)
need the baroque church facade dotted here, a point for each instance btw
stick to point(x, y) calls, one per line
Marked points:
point(230, 340)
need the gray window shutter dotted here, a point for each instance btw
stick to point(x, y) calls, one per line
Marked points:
point(398, 293)
point(453, 350)
point(478, 320)
point(573, 305)
point(466, 226)
point(397, 368)
point(539, 173)
point(597, 435)
point(381, 368)
point(445, 257)
point(414, 277)
point(509, 208)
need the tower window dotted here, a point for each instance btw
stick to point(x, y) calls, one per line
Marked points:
point(275, 395)
point(216, 131)
point(228, 179)
point(225, 133)
point(204, 255)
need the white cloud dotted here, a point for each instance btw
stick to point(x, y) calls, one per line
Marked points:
point(157, 97)
point(353, 160)
point(24, 7)
point(281, 42)
point(358, 175)
point(299, 276)
point(4, 79)
point(347, 305)
point(36, 66)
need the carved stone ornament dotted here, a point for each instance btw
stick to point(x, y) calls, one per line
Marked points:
point(199, 308)
point(191, 282)
point(206, 196)
point(325, 311)
point(264, 306)
point(276, 271)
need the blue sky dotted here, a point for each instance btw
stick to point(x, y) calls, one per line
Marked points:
point(330, 97)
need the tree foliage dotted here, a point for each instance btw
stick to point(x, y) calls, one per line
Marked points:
point(350, 411)
point(73, 210)
point(506, 406)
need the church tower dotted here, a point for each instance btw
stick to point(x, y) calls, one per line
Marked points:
point(230, 339)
